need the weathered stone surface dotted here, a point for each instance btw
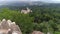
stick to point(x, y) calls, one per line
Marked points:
point(4, 24)
point(37, 32)
point(26, 11)
point(8, 27)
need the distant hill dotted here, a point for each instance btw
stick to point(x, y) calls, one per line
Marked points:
point(36, 3)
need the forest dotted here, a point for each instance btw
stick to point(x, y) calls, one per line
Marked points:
point(44, 19)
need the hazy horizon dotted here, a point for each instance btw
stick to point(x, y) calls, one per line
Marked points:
point(49, 1)
point(2, 2)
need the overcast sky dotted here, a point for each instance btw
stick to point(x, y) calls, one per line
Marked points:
point(54, 1)
point(2, 2)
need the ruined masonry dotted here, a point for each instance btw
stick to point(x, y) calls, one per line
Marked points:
point(8, 27)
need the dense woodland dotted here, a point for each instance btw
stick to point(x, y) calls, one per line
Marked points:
point(44, 19)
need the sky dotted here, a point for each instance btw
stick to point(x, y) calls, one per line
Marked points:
point(50, 1)
point(2, 2)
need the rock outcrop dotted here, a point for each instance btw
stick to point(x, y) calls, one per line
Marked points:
point(26, 11)
point(8, 27)
point(37, 32)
